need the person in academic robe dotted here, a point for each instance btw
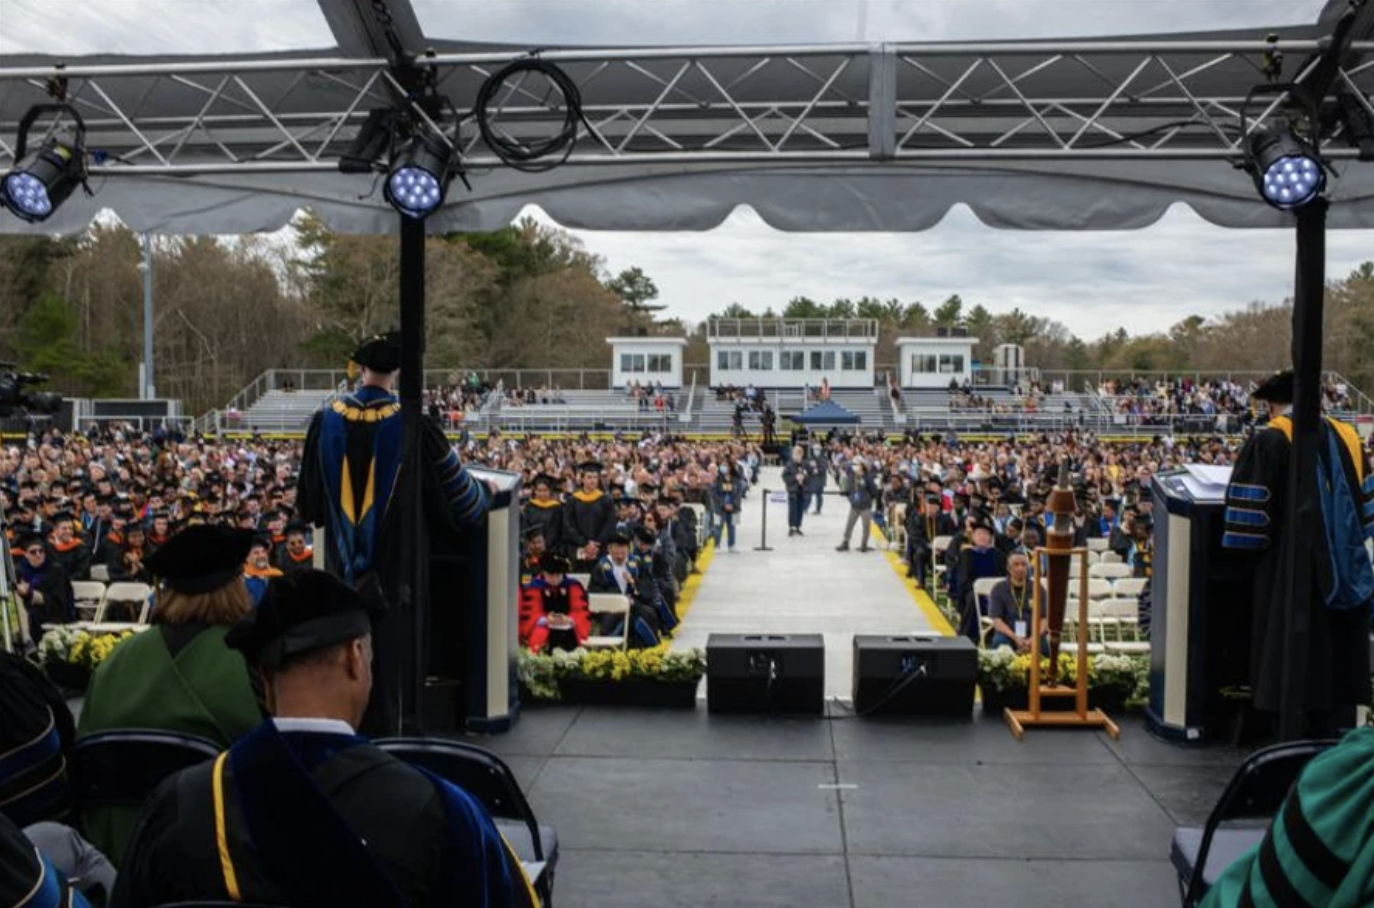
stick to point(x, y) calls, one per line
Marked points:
point(1319, 849)
point(304, 811)
point(532, 551)
point(67, 549)
point(129, 562)
point(1337, 650)
point(298, 555)
point(922, 526)
point(979, 559)
point(43, 588)
point(553, 608)
point(655, 587)
point(588, 519)
point(617, 572)
point(257, 570)
point(179, 676)
point(349, 471)
point(159, 530)
point(29, 878)
point(544, 511)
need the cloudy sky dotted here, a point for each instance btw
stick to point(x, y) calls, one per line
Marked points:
point(1093, 282)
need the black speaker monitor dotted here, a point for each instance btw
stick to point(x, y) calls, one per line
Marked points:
point(765, 673)
point(914, 675)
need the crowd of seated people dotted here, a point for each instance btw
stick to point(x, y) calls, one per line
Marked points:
point(651, 397)
point(449, 406)
point(616, 513)
point(530, 397)
point(1160, 401)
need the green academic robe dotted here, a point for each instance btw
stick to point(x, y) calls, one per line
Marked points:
point(1319, 852)
point(203, 690)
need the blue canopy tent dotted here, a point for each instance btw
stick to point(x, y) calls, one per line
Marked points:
point(826, 413)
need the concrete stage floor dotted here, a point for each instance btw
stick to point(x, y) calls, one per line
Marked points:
point(677, 808)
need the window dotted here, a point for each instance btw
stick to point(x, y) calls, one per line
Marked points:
point(761, 360)
point(660, 362)
point(728, 360)
point(792, 360)
point(951, 363)
point(632, 362)
point(922, 363)
point(854, 360)
point(822, 360)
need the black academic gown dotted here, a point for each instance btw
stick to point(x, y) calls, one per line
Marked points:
point(1256, 524)
point(454, 503)
point(547, 517)
point(396, 824)
point(587, 518)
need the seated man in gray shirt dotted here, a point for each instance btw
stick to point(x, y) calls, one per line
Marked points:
point(1009, 607)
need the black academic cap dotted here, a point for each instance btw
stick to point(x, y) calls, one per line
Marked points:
point(1278, 388)
point(200, 559)
point(296, 528)
point(619, 539)
point(261, 541)
point(532, 532)
point(644, 534)
point(63, 517)
point(302, 612)
point(589, 466)
point(553, 563)
point(545, 479)
point(380, 353)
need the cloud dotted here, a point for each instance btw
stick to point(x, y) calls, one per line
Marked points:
point(1094, 283)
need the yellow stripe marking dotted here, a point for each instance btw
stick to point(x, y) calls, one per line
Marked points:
point(689, 589)
point(226, 863)
point(932, 613)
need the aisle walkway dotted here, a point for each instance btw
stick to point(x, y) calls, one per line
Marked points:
point(803, 586)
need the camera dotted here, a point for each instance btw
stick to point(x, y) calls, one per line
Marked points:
point(16, 401)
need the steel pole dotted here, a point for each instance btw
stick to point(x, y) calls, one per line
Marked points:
point(1302, 519)
point(149, 390)
point(763, 525)
point(414, 586)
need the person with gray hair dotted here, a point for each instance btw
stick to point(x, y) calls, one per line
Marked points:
point(858, 486)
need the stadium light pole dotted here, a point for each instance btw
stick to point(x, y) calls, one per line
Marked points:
point(148, 391)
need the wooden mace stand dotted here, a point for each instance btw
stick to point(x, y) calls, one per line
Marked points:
point(1018, 720)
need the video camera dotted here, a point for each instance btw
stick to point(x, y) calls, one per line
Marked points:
point(15, 401)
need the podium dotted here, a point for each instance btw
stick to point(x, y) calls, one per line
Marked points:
point(474, 596)
point(1200, 604)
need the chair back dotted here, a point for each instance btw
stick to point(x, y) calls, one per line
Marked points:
point(1256, 791)
point(1129, 586)
point(477, 771)
point(122, 768)
point(1109, 570)
point(88, 595)
point(133, 593)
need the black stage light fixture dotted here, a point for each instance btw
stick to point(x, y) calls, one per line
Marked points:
point(1288, 172)
point(419, 176)
point(40, 182)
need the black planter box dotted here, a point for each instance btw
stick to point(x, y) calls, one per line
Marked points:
point(630, 692)
point(67, 676)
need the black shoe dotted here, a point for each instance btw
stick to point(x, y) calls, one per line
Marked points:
point(841, 548)
point(799, 532)
point(864, 548)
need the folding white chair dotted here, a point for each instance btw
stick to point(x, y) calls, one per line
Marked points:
point(1097, 543)
point(1110, 557)
point(896, 527)
point(982, 589)
point(135, 594)
point(88, 595)
point(100, 572)
point(1075, 568)
point(583, 579)
point(609, 604)
point(1128, 587)
point(1099, 588)
point(938, 546)
point(1093, 557)
point(1109, 571)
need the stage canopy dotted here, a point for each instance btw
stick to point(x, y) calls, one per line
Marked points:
point(826, 413)
point(1080, 133)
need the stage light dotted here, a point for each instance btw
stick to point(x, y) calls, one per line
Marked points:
point(1287, 172)
point(419, 177)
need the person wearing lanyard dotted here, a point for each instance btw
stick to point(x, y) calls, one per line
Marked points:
point(1009, 607)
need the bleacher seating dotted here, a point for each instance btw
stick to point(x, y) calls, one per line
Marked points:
point(278, 411)
point(930, 408)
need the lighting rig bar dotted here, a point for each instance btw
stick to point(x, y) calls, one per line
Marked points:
point(1038, 101)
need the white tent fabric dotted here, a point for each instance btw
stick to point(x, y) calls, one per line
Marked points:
point(846, 191)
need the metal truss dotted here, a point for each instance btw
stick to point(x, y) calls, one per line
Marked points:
point(1061, 101)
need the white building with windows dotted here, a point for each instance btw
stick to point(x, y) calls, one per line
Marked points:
point(932, 362)
point(792, 353)
point(647, 360)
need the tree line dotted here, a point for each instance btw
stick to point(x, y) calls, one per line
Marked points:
point(528, 296)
